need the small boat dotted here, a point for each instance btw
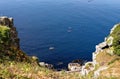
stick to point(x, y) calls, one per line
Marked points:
point(69, 30)
point(59, 63)
point(51, 48)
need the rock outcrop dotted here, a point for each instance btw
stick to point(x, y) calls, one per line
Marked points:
point(74, 66)
point(89, 66)
point(9, 46)
point(5, 21)
point(43, 64)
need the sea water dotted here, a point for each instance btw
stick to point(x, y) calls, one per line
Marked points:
point(59, 31)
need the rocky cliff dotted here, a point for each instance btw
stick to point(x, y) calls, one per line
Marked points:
point(106, 59)
point(8, 22)
point(9, 41)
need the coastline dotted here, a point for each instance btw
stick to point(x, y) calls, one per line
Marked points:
point(15, 62)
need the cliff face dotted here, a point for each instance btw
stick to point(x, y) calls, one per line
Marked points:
point(106, 58)
point(8, 22)
point(9, 41)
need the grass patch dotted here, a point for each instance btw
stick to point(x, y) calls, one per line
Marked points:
point(4, 34)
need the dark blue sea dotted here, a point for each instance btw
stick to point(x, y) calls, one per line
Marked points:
point(71, 27)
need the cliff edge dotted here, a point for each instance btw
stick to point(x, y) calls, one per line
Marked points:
point(106, 58)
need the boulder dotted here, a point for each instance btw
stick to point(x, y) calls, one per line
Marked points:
point(109, 41)
point(49, 66)
point(89, 66)
point(35, 58)
point(74, 66)
point(43, 64)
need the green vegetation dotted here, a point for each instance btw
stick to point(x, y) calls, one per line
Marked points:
point(116, 41)
point(7, 50)
point(4, 34)
point(24, 70)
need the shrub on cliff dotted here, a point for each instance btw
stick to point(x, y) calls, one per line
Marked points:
point(4, 34)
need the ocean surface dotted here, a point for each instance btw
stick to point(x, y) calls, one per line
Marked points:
point(59, 31)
